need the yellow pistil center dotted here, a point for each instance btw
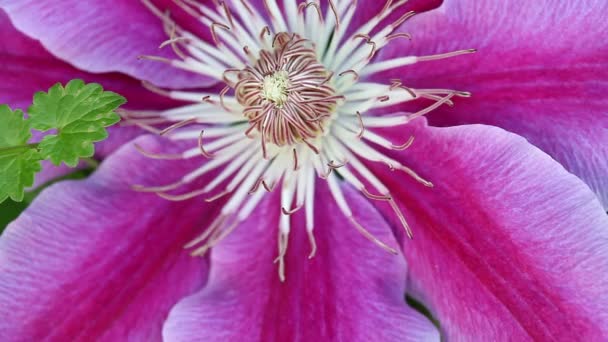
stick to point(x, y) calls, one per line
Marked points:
point(274, 88)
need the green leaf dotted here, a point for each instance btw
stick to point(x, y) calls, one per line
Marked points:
point(19, 162)
point(80, 113)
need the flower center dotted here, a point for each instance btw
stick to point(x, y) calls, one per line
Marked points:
point(274, 88)
point(285, 95)
point(297, 107)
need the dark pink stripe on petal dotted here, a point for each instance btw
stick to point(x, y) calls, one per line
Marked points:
point(94, 260)
point(350, 291)
point(507, 245)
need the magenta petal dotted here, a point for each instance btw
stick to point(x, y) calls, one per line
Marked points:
point(507, 244)
point(350, 291)
point(541, 71)
point(101, 36)
point(94, 260)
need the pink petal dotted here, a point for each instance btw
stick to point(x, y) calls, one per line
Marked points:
point(101, 36)
point(507, 245)
point(350, 291)
point(541, 71)
point(95, 260)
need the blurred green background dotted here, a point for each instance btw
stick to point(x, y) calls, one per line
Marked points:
point(9, 210)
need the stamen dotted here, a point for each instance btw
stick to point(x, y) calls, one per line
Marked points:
point(218, 222)
point(218, 196)
point(306, 5)
point(368, 41)
point(352, 72)
point(214, 35)
point(161, 156)
point(370, 237)
point(402, 19)
point(290, 211)
point(313, 243)
point(176, 126)
point(182, 197)
point(268, 188)
point(405, 145)
point(362, 127)
point(445, 55)
point(163, 188)
point(399, 214)
point(283, 241)
point(228, 13)
point(201, 148)
point(332, 6)
point(295, 160)
point(398, 35)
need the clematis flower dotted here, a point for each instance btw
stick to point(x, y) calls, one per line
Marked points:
point(319, 102)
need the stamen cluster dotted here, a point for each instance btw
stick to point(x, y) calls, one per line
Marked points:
point(298, 105)
point(285, 95)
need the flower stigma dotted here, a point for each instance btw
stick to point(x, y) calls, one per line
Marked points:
point(274, 88)
point(298, 105)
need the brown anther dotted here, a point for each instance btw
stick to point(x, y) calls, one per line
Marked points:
point(399, 214)
point(160, 156)
point(332, 165)
point(201, 148)
point(445, 55)
point(227, 72)
point(375, 197)
point(405, 145)
point(402, 19)
point(398, 35)
point(176, 126)
point(329, 76)
point(181, 197)
point(295, 160)
point(266, 187)
point(306, 5)
point(395, 83)
point(162, 188)
point(361, 126)
point(409, 90)
point(222, 94)
point(311, 146)
point(228, 13)
point(218, 196)
point(256, 186)
point(370, 237)
point(265, 30)
point(332, 6)
point(352, 72)
point(214, 35)
point(291, 211)
point(387, 4)
point(368, 41)
point(149, 86)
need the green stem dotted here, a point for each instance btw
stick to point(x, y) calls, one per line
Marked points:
point(12, 149)
point(91, 162)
